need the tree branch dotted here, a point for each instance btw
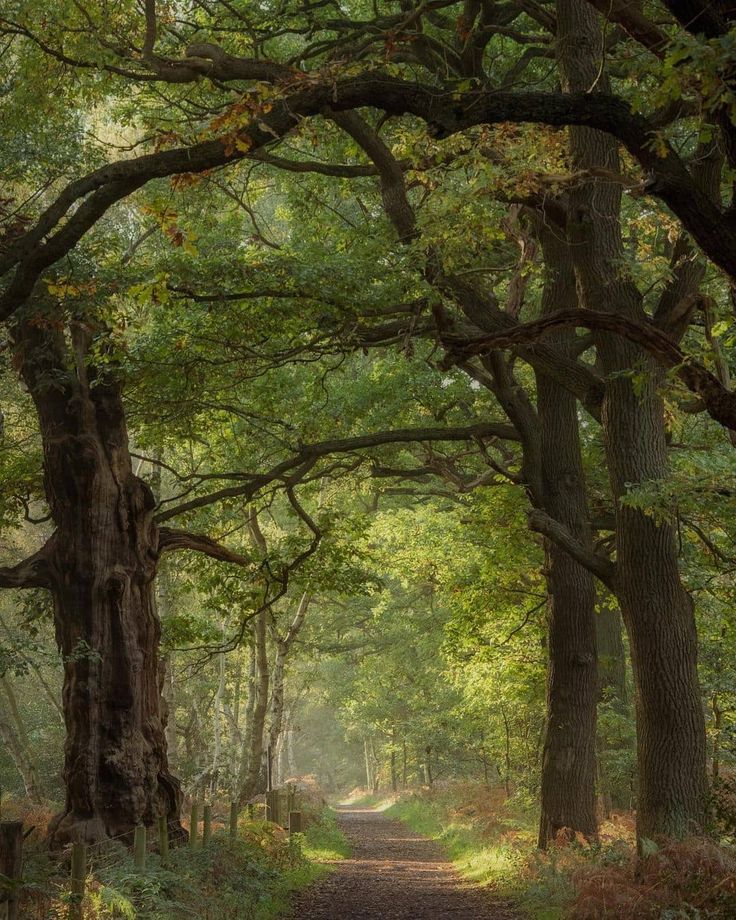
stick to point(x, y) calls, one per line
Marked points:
point(151, 30)
point(170, 540)
point(33, 572)
point(719, 401)
point(602, 568)
point(295, 467)
point(445, 112)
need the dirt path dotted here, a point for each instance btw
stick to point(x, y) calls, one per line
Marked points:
point(394, 874)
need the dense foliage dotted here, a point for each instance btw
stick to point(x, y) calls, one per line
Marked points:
point(366, 406)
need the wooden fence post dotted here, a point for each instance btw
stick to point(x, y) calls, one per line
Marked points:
point(295, 822)
point(163, 838)
point(11, 866)
point(194, 825)
point(272, 806)
point(139, 848)
point(206, 825)
point(233, 820)
point(79, 881)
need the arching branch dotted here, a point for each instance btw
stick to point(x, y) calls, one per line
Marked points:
point(33, 572)
point(602, 568)
point(170, 540)
point(294, 469)
point(719, 401)
point(445, 113)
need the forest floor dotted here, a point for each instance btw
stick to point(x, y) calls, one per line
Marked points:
point(394, 873)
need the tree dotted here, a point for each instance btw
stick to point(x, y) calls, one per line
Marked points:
point(210, 107)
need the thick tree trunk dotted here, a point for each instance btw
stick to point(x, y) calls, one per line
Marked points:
point(553, 473)
point(102, 561)
point(657, 610)
point(568, 759)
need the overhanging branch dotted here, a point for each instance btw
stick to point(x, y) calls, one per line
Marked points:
point(602, 568)
point(33, 572)
point(719, 401)
point(170, 540)
point(445, 113)
point(293, 469)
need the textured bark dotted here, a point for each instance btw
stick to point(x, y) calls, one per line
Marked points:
point(11, 868)
point(251, 764)
point(16, 744)
point(101, 562)
point(283, 647)
point(657, 610)
point(568, 760)
point(553, 473)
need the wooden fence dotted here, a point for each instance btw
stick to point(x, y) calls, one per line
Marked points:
point(281, 807)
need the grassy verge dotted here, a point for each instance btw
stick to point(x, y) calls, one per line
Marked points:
point(493, 844)
point(323, 841)
point(497, 852)
point(251, 878)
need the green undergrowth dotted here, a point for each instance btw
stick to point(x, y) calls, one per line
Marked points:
point(496, 852)
point(492, 842)
point(251, 878)
point(324, 842)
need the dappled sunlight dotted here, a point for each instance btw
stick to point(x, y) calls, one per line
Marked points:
point(367, 459)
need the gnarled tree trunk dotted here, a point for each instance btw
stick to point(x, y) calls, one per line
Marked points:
point(100, 566)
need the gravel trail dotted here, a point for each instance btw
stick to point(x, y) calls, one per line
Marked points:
point(394, 874)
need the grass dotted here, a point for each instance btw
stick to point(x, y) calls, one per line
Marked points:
point(323, 841)
point(492, 843)
point(496, 852)
point(251, 878)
